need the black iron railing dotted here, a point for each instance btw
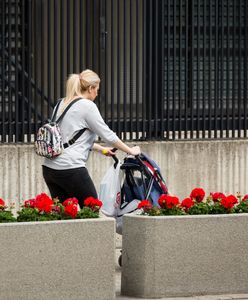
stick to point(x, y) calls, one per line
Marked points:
point(170, 69)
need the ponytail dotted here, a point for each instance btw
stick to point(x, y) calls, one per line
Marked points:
point(73, 86)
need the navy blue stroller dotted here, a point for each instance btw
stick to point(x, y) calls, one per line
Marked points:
point(143, 180)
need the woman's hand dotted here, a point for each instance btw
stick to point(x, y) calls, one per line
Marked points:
point(107, 151)
point(135, 150)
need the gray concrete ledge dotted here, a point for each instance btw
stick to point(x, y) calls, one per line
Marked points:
point(58, 260)
point(184, 255)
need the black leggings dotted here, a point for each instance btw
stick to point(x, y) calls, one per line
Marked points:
point(65, 184)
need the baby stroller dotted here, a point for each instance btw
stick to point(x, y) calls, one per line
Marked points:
point(135, 179)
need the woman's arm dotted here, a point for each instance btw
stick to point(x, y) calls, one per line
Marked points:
point(119, 145)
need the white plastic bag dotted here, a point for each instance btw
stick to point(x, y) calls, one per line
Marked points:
point(110, 190)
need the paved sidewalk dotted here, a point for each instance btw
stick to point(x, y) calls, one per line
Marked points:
point(212, 297)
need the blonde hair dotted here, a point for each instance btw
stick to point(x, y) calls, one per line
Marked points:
point(77, 84)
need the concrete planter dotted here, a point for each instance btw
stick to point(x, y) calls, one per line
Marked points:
point(72, 259)
point(184, 255)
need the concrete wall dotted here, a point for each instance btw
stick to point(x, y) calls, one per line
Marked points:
point(175, 256)
point(56, 260)
point(212, 165)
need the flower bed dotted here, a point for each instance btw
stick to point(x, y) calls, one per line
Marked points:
point(43, 208)
point(196, 204)
point(194, 247)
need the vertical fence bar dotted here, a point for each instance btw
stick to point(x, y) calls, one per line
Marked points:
point(49, 53)
point(87, 35)
point(148, 80)
point(118, 69)
point(186, 68)
point(16, 71)
point(124, 70)
point(155, 71)
point(216, 77)
point(210, 72)
point(56, 52)
point(62, 45)
point(94, 34)
point(162, 74)
point(137, 35)
point(3, 27)
point(75, 39)
point(9, 73)
point(204, 70)
point(192, 70)
point(198, 69)
point(68, 35)
point(234, 68)
point(221, 69)
point(228, 72)
point(112, 67)
point(239, 71)
point(144, 69)
point(174, 69)
point(29, 61)
point(131, 47)
point(179, 74)
point(245, 66)
point(168, 72)
point(42, 61)
point(105, 50)
point(81, 35)
point(23, 70)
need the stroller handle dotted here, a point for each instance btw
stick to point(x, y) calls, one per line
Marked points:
point(114, 157)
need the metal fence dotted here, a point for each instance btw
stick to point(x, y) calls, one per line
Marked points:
point(170, 69)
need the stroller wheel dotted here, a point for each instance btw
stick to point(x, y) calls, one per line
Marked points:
point(120, 260)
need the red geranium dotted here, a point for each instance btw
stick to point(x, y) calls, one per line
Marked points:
point(197, 194)
point(44, 203)
point(217, 196)
point(2, 203)
point(245, 197)
point(145, 205)
point(229, 202)
point(167, 201)
point(187, 203)
point(71, 210)
point(30, 203)
point(93, 203)
point(70, 201)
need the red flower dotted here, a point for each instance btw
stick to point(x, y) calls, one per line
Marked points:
point(92, 202)
point(44, 203)
point(229, 202)
point(71, 210)
point(245, 197)
point(217, 196)
point(187, 203)
point(30, 203)
point(2, 203)
point(167, 201)
point(197, 194)
point(145, 205)
point(70, 201)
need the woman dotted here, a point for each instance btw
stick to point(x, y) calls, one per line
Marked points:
point(66, 175)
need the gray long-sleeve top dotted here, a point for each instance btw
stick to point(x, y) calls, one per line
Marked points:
point(82, 114)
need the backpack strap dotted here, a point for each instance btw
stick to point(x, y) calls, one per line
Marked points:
point(77, 135)
point(64, 112)
point(55, 110)
point(73, 140)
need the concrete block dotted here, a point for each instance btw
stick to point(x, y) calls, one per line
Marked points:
point(179, 256)
point(72, 259)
